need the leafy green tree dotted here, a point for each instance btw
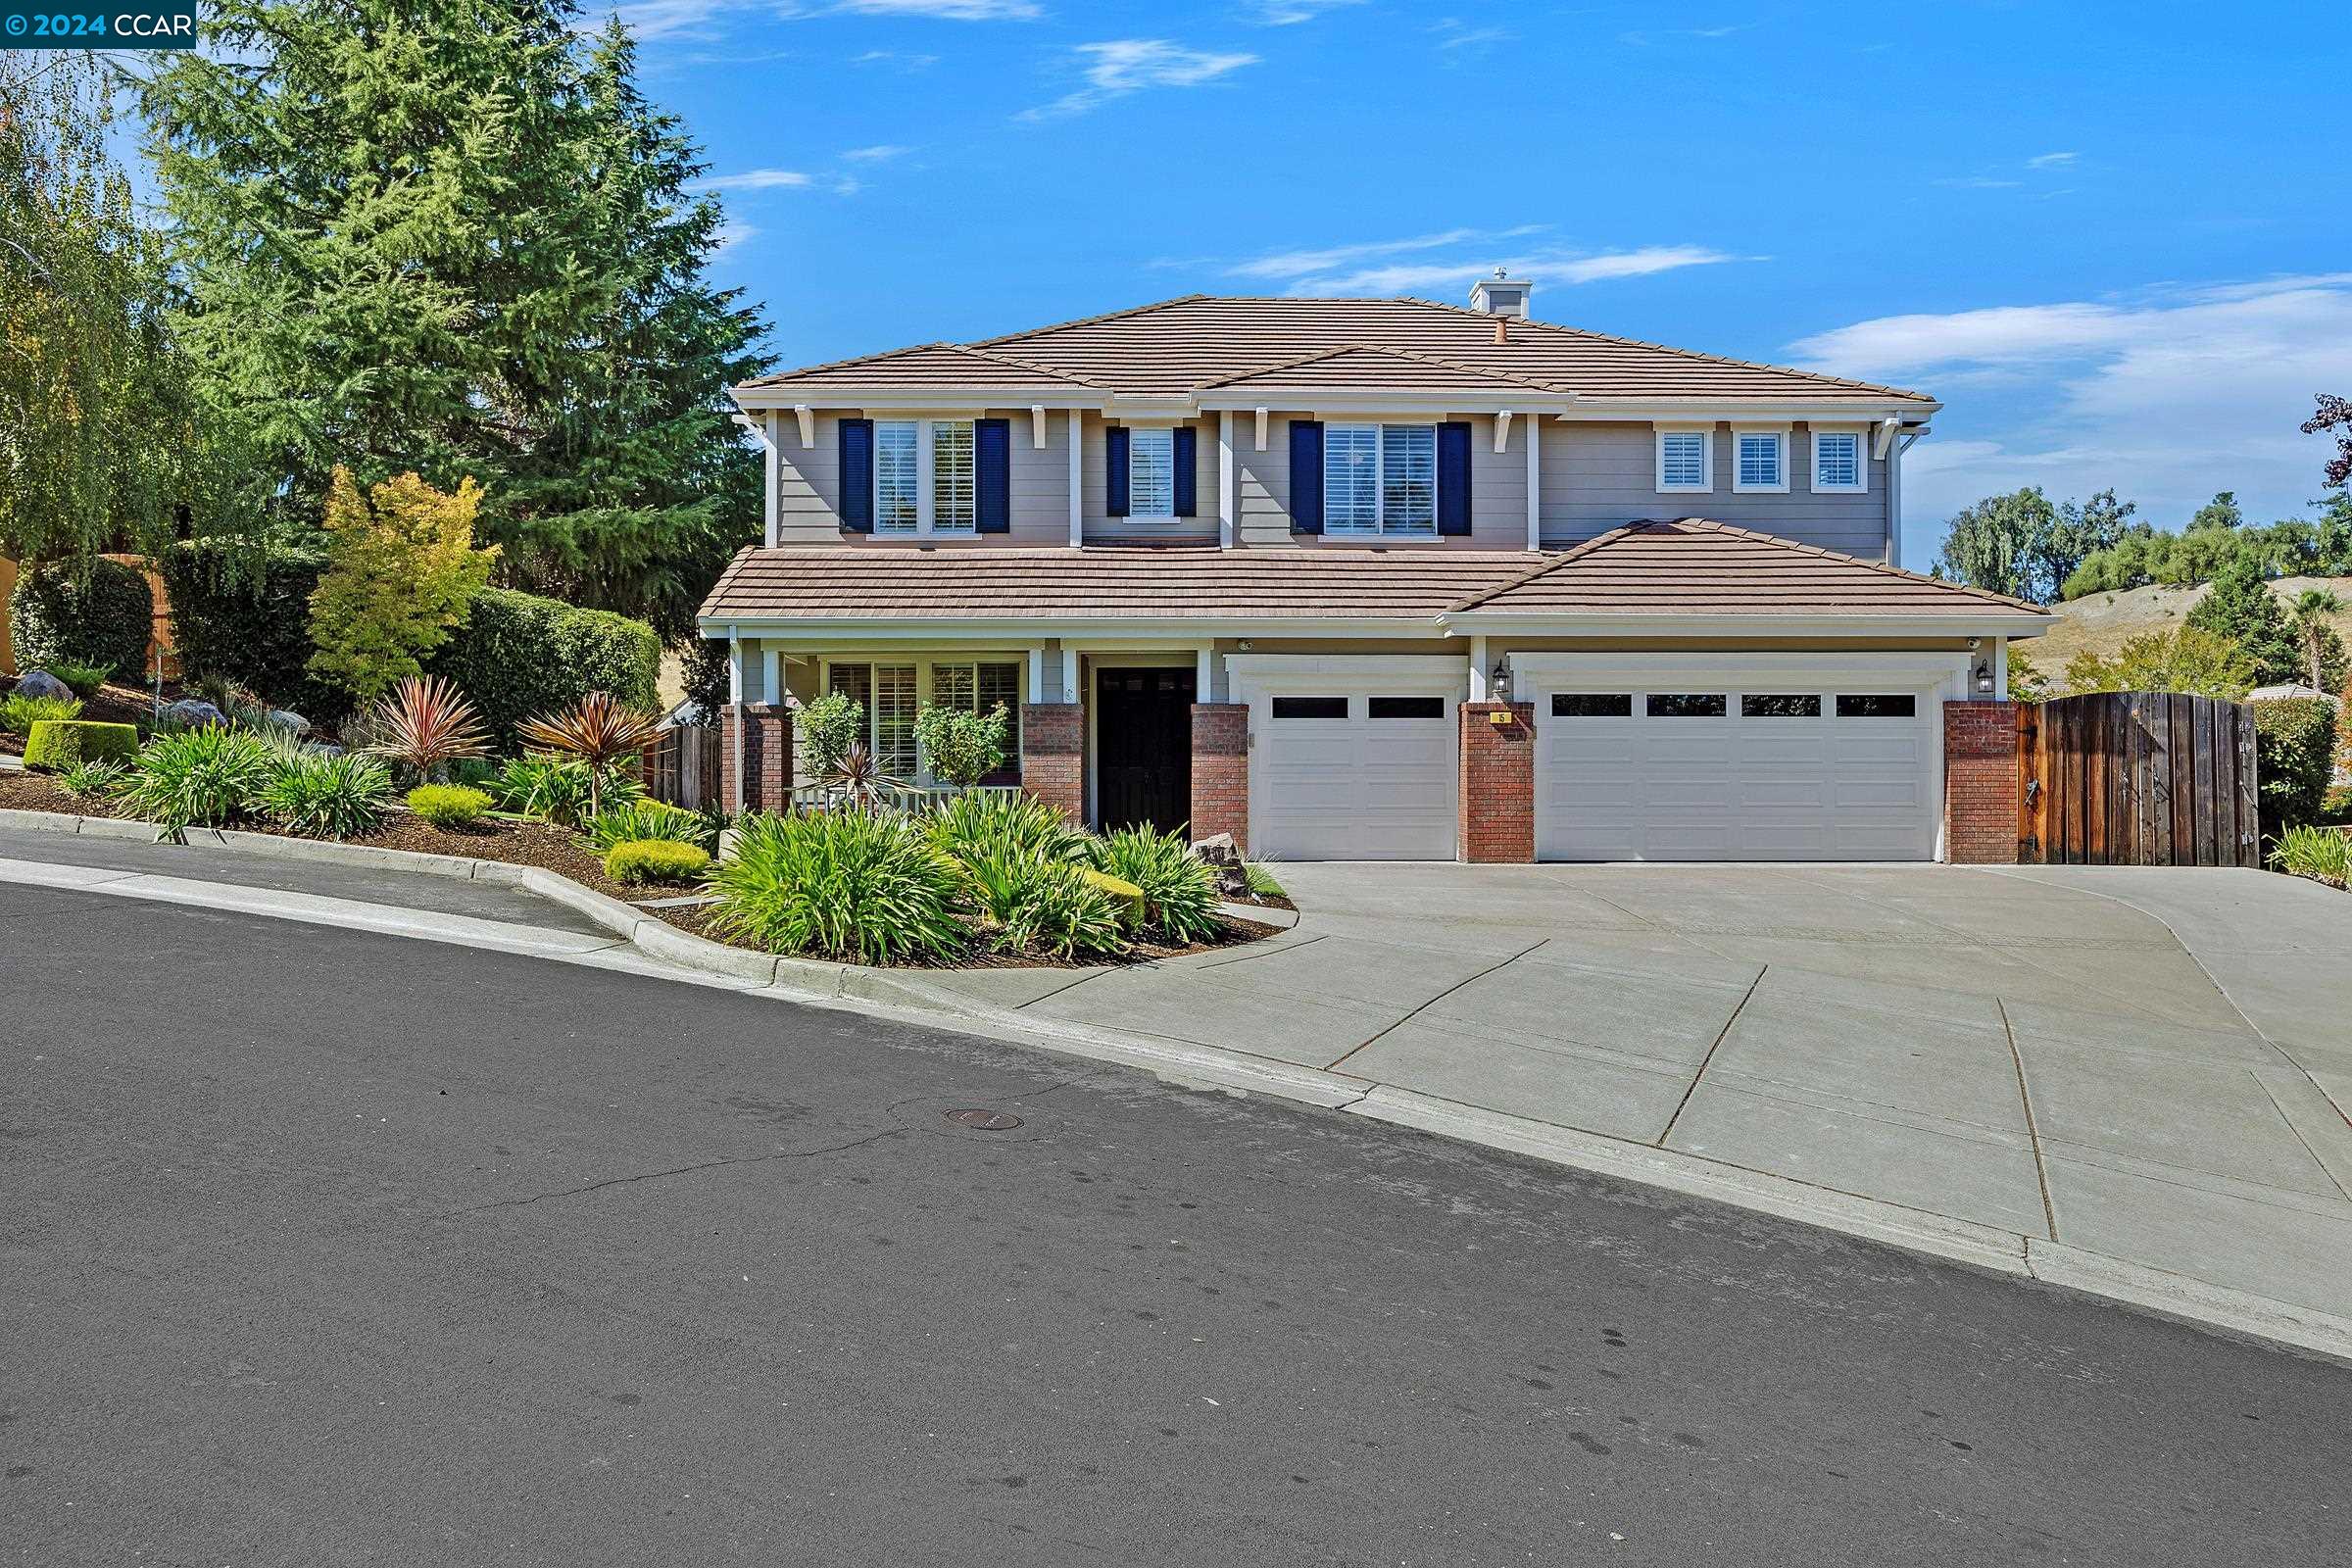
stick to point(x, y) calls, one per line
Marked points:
point(2185, 660)
point(2000, 543)
point(961, 746)
point(455, 241)
point(2222, 512)
point(2241, 607)
point(402, 572)
point(97, 443)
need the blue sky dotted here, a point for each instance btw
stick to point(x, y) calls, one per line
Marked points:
point(2111, 238)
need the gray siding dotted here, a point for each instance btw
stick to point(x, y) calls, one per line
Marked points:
point(809, 485)
point(1095, 478)
point(1599, 477)
point(1498, 488)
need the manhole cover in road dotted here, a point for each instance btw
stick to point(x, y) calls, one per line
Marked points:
point(984, 1121)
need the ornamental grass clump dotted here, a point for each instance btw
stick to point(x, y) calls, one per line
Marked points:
point(558, 789)
point(200, 777)
point(1180, 889)
point(82, 679)
point(965, 823)
point(640, 820)
point(101, 780)
point(1030, 903)
point(426, 724)
point(345, 795)
point(448, 806)
point(865, 886)
point(17, 714)
point(2322, 854)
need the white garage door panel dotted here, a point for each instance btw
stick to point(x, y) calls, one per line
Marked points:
point(1357, 787)
point(1735, 788)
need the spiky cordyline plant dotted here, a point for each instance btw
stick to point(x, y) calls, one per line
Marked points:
point(427, 724)
point(598, 730)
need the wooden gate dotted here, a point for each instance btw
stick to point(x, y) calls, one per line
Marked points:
point(682, 767)
point(2136, 778)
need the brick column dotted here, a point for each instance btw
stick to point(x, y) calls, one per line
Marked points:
point(1054, 755)
point(761, 732)
point(1221, 772)
point(1497, 804)
point(1980, 783)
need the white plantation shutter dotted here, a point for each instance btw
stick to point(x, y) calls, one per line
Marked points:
point(1150, 474)
point(1350, 478)
point(955, 498)
point(893, 719)
point(1408, 478)
point(898, 499)
point(1836, 460)
point(1759, 459)
point(1682, 460)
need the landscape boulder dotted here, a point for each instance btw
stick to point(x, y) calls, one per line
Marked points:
point(191, 713)
point(291, 722)
point(40, 683)
point(1225, 857)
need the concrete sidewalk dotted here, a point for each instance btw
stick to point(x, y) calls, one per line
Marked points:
point(2148, 1065)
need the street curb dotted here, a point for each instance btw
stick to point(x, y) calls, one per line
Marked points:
point(900, 997)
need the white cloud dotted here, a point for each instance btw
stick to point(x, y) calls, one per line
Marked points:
point(2169, 395)
point(1977, 182)
point(2051, 160)
point(945, 10)
point(733, 233)
point(1291, 13)
point(1123, 66)
point(671, 18)
point(895, 57)
point(875, 155)
point(1455, 33)
point(1640, 39)
point(700, 19)
point(1408, 265)
point(755, 179)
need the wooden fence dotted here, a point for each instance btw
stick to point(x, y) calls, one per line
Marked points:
point(682, 767)
point(2136, 778)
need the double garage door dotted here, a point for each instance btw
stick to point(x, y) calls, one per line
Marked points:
point(1831, 761)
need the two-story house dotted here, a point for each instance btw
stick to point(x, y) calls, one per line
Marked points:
point(1369, 579)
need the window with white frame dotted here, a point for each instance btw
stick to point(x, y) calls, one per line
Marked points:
point(1150, 474)
point(1380, 479)
point(1760, 458)
point(886, 694)
point(1837, 460)
point(1684, 462)
point(904, 450)
point(897, 476)
point(981, 688)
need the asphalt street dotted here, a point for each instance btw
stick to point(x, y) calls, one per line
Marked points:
point(333, 1248)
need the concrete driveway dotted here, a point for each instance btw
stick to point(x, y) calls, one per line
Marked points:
point(2153, 1066)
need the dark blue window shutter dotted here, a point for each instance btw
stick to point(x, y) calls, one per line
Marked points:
point(1306, 476)
point(1453, 479)
point(1188, 471)
point(992, 475)
point(1114, 470)
point(858, 475)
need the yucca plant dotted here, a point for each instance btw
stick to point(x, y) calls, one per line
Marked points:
point(867, 886)
point(203, 777)
point(425, 724)
point(1180, 889)
point(856, 780)
point(339, 796)
point(598, 729)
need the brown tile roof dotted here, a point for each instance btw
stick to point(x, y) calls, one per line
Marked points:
point(1184, 345)
point(1359, 366)
point(1692, 567)
point(1650, 568)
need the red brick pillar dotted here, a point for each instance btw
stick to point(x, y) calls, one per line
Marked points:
point(1054, 755)
point(1497, 804)
point(760, 734)
point(1221, 772)
point(1980, 783)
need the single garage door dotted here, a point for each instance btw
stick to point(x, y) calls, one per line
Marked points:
point(1701, 772)
point(1352, 776)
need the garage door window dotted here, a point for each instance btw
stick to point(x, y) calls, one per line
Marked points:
point(1779, 705)
point(1685, 704)
point(1592, 705)
point(1877, 704)
point(1310, 707)
point(1407, 706)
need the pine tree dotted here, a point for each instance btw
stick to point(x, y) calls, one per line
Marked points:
point(451, 238)
point(2241, 607)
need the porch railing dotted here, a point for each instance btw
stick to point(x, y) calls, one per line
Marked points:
point(825, 797)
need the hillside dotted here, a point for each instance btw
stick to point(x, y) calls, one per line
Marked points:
point(2103, 622)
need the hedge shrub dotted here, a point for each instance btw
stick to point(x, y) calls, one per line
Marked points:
point(106, 619)
point(242, 612)
point(520, 655)
point(635, 861)
point(2294, 756)
point(56, 745)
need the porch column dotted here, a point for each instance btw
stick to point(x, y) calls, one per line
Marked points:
point(1980, 783)
point(1496, 805)
point(1054, 756)
point(1221, 772)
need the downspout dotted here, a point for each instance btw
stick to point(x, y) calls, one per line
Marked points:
point(1894, 493)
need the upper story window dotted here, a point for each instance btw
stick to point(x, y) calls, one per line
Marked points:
point(1686, 459)
point(1837, 460)
point(902, 464)
point(1380, 479)
point(1151, 472)
point(1761, 459)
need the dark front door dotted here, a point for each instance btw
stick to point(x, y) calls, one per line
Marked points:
point(1144, 746)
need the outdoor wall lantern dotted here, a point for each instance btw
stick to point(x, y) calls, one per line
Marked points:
point(1982, 672)
point(1498, 684)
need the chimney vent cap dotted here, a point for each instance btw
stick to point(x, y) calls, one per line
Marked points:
point(1501, 295)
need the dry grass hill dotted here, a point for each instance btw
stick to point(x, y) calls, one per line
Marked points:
point(2102, 622)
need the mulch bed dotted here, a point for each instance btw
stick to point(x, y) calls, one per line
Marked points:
point(553, 849)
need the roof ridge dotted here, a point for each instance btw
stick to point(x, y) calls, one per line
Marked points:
point(1803, 548)
point(1668, 348)
point(1388, 351)
point(854, 359)
point(1573, 552)
point(998, 357)
point(1285, 365)
point(1086, 321)
point(1476, 369)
